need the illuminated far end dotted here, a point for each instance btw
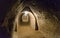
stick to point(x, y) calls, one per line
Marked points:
point(26, 13)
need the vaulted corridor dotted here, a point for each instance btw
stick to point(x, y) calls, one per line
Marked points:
point(27, 19)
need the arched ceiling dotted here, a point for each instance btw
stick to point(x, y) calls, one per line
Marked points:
point(50, 5)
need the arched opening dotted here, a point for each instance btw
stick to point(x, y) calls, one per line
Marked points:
point(28, 18)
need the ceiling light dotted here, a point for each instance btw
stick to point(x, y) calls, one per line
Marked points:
point(26, 13)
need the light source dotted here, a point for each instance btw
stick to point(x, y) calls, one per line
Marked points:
point(26, 13)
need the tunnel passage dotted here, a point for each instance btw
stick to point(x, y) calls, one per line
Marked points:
point(30, 16)
point(29, 25)
point(48, 24)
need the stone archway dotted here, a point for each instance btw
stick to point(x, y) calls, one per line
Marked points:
point(22, 29)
